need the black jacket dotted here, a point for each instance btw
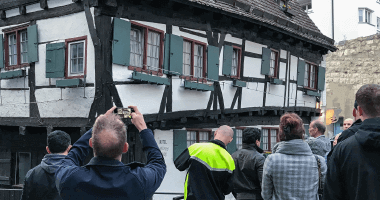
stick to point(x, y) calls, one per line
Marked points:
point(248, 172)
point(40, 182)
point(353, 170)
point(350, 131)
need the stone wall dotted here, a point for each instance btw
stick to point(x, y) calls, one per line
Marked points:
point(357, 62)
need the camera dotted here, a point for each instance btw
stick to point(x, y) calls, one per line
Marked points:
point(124, 112)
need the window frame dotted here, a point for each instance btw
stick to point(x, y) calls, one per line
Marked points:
point(67, 45)
point(191, 76)
point(277, 63)
point(210, 136)
point(310, 64)
point(146, 30)
point(269, 137)
point(239, 62)
point(378, 23)
point(242, 129)
point(365, 15)
point(14, 30)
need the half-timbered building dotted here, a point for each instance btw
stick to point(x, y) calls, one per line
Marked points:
point(189, 65)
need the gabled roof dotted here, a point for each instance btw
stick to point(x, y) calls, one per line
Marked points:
point(269, 12)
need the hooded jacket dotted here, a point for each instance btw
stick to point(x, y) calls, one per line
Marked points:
point(353, 171)
point(248, 173)
point(40, 182)
point(292, 172)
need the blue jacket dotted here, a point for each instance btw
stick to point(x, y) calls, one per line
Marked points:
point(104, 178)
point(39, 181)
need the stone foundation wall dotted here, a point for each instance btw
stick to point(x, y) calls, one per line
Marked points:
point(357, 62)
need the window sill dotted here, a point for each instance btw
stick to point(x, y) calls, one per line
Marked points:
point(311, 89)
point(69, 83)
point(13, 74)
point(198, 86)
point(151, 72)
point(190, 78)
point(7, 68)
point(366, 23)
point(73, 77)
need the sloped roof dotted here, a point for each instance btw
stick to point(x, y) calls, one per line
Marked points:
point(269, 12)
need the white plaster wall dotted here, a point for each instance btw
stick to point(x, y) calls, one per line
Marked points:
point(275, 95)
point(304, 100)
point(15, 82)
point(14, 103)
point(147, 97)
point(366, 29)
point(252, 67)
point(174, 179)
point(282, 71)
point(252, 95)
point(293, 67)
point(36, 7)
point(176, 31)
point(76, 102)
point(292, 94)
point(228, 93)
point(254, 47)
point(234, 40)
point(57, 3)
point(185, 99)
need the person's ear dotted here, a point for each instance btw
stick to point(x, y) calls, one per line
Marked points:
point(90, 142)
point(125, 147)
point(48, 150)
point(360, 111)
point(354, 112)
point(258, 143)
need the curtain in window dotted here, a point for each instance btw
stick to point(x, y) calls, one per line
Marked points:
point(272, 63)
point(76, 58)
point(12, 49)
point(264, 139)
point(203, 136)
point(273, 137)
point(191, 137)
point(234, 67)
point(239, 138)
point(198, 61)
point(361, 15)
point(186, 58)
point(24, 47)
point(306, 79)
point(137, 48)
point(312, 76)
point(153, 51)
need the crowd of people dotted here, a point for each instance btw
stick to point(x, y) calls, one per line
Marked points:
point(298, 168)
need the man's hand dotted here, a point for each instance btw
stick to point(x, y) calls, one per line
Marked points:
point(138, 119)
point(110, 111)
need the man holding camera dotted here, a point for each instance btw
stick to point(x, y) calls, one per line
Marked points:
point(105, 176)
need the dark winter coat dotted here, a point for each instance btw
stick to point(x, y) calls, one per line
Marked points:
point(105, 178)
point(353, 171)
point(40, 182)
point(350, 131)
point(248, 172)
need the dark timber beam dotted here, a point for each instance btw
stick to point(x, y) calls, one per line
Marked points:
point(22, 10)
point(44, 4)
point(3, 15)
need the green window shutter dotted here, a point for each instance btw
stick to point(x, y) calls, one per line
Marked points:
point(321, 78)
point(213, 63)
point(1, 52)
point(227, 60)
point(166, 54)
point(300, 72)
point(179, 142)
point(121, 42)
point(32, 43)
point(231, 147)
point(265, 61)
point(55, 60)
point(176, 54)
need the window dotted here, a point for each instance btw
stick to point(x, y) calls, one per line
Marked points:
point(378, 23)
point(269, 138)
point(16, 47)
point(310, 76)
point(365, 15)
point(235, 69)
point(197, 135)
point(273, 63)
point(239, 138)
point(76, 57)
point(23, 165)
point(194, 59)
point(146, 48)
point(307, 8)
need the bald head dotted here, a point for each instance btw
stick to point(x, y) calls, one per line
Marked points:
point(224, 134)
point(108, 136)
point(347, 123)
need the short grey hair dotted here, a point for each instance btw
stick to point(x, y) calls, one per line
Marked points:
point(319, 125)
